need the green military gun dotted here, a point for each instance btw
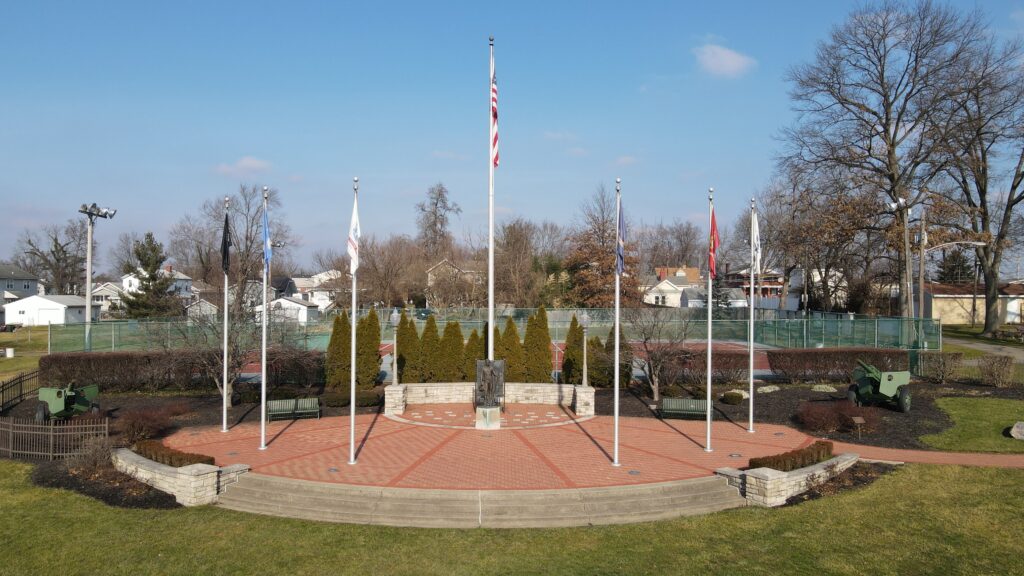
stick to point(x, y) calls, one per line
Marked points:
point(872, 385)
point(66, 402)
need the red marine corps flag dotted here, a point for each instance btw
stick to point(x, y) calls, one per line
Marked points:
point(713, 244)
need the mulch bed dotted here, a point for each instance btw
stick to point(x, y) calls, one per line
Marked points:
point(104, 484)
point(856, 476)
point(893, 430)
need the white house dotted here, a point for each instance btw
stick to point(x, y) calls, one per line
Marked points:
point(665, 293)
point(43, 310)
point(201, 310)
point(182, 285)
point(697, 298)
point(288, 308)
point(106, 295)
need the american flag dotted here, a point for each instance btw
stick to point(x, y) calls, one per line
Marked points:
point(620, 241)
point(713, 245)
point(494, 114)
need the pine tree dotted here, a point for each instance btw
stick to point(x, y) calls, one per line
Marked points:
point(515, 359)
point(408, 351)
point(154, 298)
point(720, 295)
point(368, 350)
point(599, 374)
point(338, 360)
point(537, 347)
point(470, 354)
point(625, 356)
point(572, 359)
point(451, 356)
point(955, 268)
point(429, 356)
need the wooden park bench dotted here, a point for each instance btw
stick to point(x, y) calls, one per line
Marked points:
point(683, 407)
point(293, 408)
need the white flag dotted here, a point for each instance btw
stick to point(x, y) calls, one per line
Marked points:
point(755, 247)
point(353, 237)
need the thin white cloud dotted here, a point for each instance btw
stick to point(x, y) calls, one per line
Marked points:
point(559, 135)
point(718, 60)
point(626, 160)
point(576, 152)
point(447, 155)
point(245, 166)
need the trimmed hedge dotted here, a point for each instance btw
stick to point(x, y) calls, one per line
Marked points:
point(121, 371)
point(940, 367)
point(820, 451)
point(157, 452)
point(832, 364)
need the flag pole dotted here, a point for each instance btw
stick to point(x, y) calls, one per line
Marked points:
point(753, 272)
point(615, 366)
point(711, 229)
point(263, 316)
point(224, 381)
point(352, 378)
point(491, 110)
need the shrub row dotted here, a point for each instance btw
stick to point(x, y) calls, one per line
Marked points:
point(820, 451)
point(938, 366)
point(828, 417)
point(831, 364)
point(157, 452)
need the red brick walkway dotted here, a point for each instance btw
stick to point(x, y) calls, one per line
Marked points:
point(464, 415)
point(932, 457)
point(573, 455)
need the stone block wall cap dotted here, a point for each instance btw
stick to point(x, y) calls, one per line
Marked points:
point(766, 473)
point(729, 471)
point(394, 387)
point(197, 469)
point(236, 468)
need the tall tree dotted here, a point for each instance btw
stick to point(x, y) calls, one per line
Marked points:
point(512, 353)
point(56, 255)
point(338, 360)
point(955, 268)
point(517, 273)
point(473, 351)
point(451, 354)
point(368, 350)
point(572, 359)
point(428, 360)
point(154, 298)
point(432, 219)
point(873, 101)
point(537, 348)
point(591, 261)
point(408, 351)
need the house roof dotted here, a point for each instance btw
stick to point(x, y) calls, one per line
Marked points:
point(201, 302)
point(967, 290)
point(70, 301)
point(163, 272)
point(8, 272)
point(298, 301)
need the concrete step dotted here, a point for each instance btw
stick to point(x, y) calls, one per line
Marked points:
point(329, 502)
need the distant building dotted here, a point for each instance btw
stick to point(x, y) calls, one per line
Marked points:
point(181, 286)
point(17, 284)
point(42, 310)
point(960, 303)
point(666, 286)
point(106, 296)
point(292, 309)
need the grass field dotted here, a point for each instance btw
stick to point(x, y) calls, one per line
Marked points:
point(969, 353)
point(978, 425)
point(968, 332)
point(29, 344)
point(918, 520)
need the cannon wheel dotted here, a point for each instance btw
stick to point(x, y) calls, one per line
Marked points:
point(903, 399)
point(42, 412)
point(851, 395)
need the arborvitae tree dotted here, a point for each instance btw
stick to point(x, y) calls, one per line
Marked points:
point(408, 351)
point(599, 373)
point(368, 350)
point(515, 359)
point(955, 268)
point(537, 348)
point(451, 356)
point(720, 296)
point(625, 356)
point(470, 354)
point(572, 359)
point(153, 298)
point(338, 360)
point(429, 356)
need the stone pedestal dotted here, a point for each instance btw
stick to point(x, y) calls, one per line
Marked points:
point(583, 403)
point(394, 399)
point(488, 418)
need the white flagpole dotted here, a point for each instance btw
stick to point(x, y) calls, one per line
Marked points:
point(224, 381)
point(753, 272)
point(490, 212)
point(711, 211)
point(615, 366)
point(263, 357)
point(352, 379)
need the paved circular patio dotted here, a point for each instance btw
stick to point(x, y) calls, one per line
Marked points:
point(550, 452)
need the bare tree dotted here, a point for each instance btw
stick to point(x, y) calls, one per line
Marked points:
point(591, 260)
point(872, 100)
point(390, 268)
point(122, 254)
point(56, 255)
point(517, 278)
point(432, 219)
point(660, 334)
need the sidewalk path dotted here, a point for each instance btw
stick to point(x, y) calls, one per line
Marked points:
point(1001, 349)
point(932, 457)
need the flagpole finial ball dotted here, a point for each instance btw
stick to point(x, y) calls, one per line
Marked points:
point(492, 39)
point(266, 192)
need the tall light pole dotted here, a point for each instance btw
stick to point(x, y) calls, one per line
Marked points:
point(395, 317)
point(585, 323)
point(906, 300)
point(92, 212)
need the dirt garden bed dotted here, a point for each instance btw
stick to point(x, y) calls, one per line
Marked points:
point(103, 483)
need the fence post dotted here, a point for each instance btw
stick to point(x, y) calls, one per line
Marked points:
point(51, 439)
point(47, 337)
point(876, 331)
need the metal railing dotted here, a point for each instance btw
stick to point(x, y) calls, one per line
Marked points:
point(15, 389)
point(27, 439)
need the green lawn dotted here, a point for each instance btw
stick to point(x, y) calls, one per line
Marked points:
point(29, 344)
point(919, 520)
point(968, 353)
point(978, 425)
point(968, 332)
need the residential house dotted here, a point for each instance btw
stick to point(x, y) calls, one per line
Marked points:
point(959, 303)
point(201, 310)
point(698, 298)
point(288, 308)
point(666, 286)
point(182, 285)
point(449, 284)
point(42, 310)
point(769, 282)
point(16, 284)
point(107, 295)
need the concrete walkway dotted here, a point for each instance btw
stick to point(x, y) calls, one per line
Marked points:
point(932, 457)
point(994, 348)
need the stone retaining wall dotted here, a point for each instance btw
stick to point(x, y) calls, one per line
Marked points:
point(192, 485)
point(768, 487)
point(397, 396)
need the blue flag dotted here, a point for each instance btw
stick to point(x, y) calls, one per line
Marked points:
point(620, 244)
point(268, 252)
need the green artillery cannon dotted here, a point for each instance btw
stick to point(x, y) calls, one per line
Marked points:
point(871, 384)
point(67, 401)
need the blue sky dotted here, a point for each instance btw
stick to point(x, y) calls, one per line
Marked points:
point(154, 108)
